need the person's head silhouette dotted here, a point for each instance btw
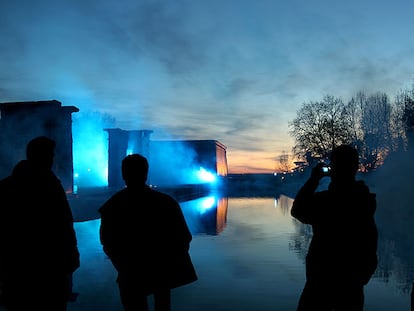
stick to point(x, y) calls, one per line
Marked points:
point(344, 163)
point(40, 151)
point(134, 170)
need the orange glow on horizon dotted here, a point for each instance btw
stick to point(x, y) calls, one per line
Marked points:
point(254, 163)
point(247, 165)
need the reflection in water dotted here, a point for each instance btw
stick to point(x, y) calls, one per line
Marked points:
point(395, 251)
point(395, 217)
point(206, 215)
point(284, 203)
point(240, 245)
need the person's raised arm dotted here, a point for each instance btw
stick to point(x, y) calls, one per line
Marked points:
point(302, 205)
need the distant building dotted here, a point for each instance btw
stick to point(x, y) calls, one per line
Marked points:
point(179, 161)
point(22, 121)
point(172, 162)
point(120, 143)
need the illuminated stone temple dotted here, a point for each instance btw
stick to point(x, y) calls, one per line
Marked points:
point(22, 121)
point(172, 162)
point(120, 143)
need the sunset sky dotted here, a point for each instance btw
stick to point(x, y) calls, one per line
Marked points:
point(235, 71)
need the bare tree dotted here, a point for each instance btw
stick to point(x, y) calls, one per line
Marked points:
point(321, 126)
point(354, 108)
point(375, 131)
point(284, 164)
point(376, 127)
point(372, 123)
point(405, 114)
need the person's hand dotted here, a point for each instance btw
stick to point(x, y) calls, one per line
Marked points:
point(317, 173)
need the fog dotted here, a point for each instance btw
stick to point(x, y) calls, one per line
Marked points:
point(393, 186)
point(90, 149)
point(171, 162)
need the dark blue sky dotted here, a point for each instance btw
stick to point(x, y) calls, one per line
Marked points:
point(231, 70)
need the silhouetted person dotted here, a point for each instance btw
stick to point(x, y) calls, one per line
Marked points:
point(412, 297)
point(38, 246)
point(342, 255)
point(145, 235)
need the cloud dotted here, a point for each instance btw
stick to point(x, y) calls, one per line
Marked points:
point(229, 70)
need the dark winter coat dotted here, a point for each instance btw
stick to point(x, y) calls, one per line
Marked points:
point(37, 239)
point(145, 235)
point(344, 243)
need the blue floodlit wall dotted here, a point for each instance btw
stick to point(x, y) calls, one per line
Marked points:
point(22, 121)
point(120, 144)
point(171, 163)
point(186, 162)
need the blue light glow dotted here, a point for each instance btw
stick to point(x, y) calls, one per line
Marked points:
point(205, 203)
point(90, 150)
point(205, 176)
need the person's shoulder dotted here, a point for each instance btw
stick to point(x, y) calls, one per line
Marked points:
point(362, 188)
point(162, 196)
point(10, 180)
point(322, 193)
point(6, 183)
point(113, 200)
point(5, 180)
point(159, 193)
point(366, 197)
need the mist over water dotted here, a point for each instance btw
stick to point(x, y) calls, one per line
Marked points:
point(393, 184)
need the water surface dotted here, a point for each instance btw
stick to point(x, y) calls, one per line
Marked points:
point(249, 255)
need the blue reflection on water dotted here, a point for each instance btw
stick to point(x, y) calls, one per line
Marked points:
point(206, 203)
point(260, 231)
point(206, 215)
point(249, 254)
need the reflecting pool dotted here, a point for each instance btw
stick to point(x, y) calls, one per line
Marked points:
point(249, 254)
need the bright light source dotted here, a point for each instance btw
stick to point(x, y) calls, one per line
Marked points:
point(205, 176)
point(206, 203)
point(90, 151)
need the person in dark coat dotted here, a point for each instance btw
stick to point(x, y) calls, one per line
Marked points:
point(145, 235)
point(342, 255)
point(38, 245)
